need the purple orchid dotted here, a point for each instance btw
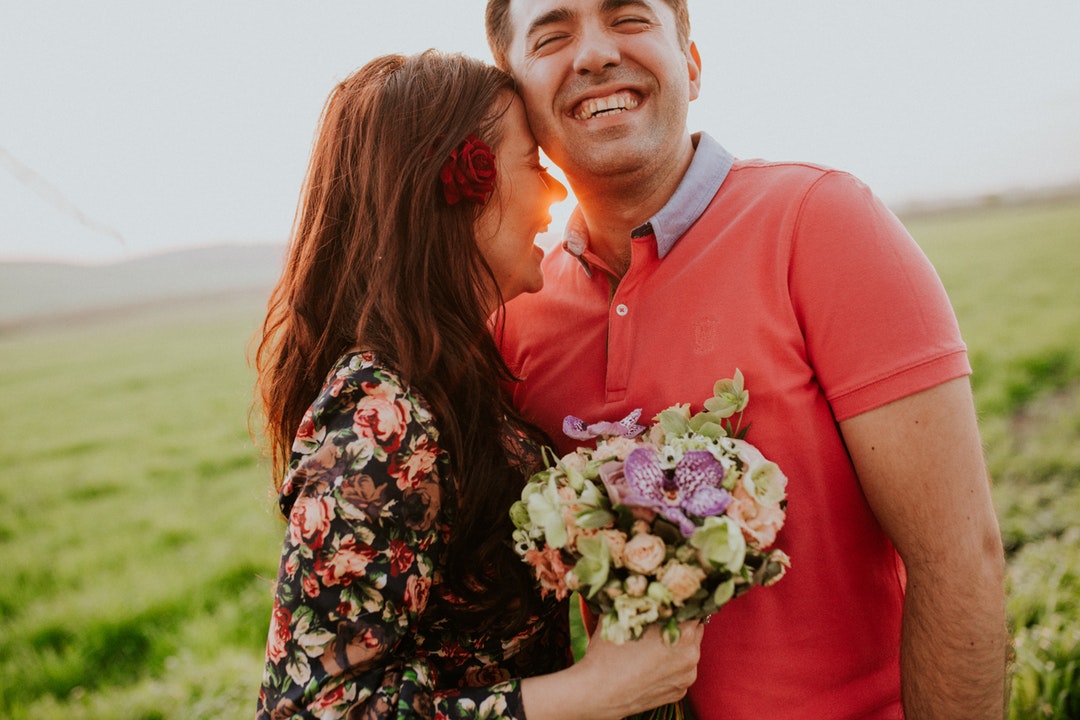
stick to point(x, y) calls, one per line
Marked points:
point(691, 488)
point(576, 428)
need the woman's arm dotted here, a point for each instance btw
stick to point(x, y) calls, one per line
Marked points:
point(364, 535)
point(359, 558)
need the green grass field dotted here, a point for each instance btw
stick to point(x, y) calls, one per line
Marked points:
point(138, 539)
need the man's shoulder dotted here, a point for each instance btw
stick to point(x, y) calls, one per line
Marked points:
point(787, 183)
point(781, 171)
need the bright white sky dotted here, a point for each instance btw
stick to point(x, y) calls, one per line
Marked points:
point(130, 127)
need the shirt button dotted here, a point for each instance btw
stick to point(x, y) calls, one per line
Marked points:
point(621, 310)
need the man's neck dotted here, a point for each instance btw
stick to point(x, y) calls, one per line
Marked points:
point(613, 206)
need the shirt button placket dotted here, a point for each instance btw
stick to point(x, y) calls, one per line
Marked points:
point(618, 365)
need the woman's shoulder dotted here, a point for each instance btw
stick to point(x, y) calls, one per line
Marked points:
point(368, 430)
point(361, 382)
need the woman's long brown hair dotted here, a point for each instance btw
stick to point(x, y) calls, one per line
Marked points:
point(379, 260)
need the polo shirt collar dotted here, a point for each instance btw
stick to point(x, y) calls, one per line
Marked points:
point(708, 169)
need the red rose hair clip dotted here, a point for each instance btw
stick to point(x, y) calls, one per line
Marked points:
point(469, 172)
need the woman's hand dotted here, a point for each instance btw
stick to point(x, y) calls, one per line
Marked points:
point(614, 681)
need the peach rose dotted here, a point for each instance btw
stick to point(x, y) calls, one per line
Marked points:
point(616, 447)
point(682, 581)
point(573, 462)
point(644, 553)
point(636, 585)
point(759, 524)
point(569, 505)
point(573, 534)
point(616, 542)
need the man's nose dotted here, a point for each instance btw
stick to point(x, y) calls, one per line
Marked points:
point(597, 49)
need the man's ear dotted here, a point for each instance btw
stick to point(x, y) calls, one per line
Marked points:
point(693, 67)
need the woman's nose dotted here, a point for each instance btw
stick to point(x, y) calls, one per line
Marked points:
point(556, 190)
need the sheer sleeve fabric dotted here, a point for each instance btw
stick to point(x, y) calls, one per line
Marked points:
point(364, 499)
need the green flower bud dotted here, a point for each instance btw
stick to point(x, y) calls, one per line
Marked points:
point(720, 543)
point(519, 514)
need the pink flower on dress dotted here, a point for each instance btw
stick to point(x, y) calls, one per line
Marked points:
point(310, 520)
point(332, 701)
point(335, 386)
point(280, 634)
point(341, 565)
point(311, 585)
point(413, 465)
point(381, 416)
point(292, 564)
point(417, 591)
point(401, 558)
point(306, 431)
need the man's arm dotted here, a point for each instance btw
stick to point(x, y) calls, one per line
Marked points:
point(920, 463)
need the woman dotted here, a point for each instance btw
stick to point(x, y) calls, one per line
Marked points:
point(398, 593)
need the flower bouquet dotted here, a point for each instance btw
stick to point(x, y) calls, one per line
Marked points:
point(656, 525)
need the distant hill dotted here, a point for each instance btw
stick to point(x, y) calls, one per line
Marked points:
point(32, 291)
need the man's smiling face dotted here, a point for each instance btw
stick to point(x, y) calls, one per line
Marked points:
point(606, 83)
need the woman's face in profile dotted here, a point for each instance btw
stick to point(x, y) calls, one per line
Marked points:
point(517, 210)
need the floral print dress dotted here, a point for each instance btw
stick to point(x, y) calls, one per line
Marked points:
point(359, 628)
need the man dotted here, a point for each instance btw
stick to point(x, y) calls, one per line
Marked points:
point(682, 264)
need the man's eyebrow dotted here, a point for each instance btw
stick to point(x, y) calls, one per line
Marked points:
point(551, 17)
point(610, 5)
point(564, 14)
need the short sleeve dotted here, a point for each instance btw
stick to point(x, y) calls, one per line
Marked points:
point(877, 321)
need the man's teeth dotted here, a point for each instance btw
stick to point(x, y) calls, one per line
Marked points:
point(609, 105)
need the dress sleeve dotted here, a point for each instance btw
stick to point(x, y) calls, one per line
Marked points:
point(364, 535)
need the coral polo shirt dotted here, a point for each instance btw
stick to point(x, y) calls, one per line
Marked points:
point(800, 277)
